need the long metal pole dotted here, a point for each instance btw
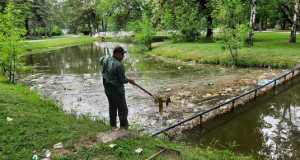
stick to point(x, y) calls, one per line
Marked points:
point(144, 90)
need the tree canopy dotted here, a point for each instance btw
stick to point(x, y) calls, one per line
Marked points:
point(190, 18)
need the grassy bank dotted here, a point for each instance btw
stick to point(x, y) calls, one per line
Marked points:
point(269, 50)
point(38, 124)
point(40, 46)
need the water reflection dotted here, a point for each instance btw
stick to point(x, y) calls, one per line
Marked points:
point(281, 126)
point(267, 127)
point(77, 59)
point(84, 59)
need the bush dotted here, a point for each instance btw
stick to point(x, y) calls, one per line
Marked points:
point(141, 38)
point(56, 31)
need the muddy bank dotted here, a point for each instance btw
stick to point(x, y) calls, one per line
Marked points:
point(190, 94)
point(71, 76)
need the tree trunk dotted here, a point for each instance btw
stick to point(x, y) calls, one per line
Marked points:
point(27, 27)
point(260, 25)
point(39, 33)
point(50, 32)
point(45, 32)
point(252, 21)
point(295, 19)
point(283, 8)
point(95, 24)
point(283, 25)
point(207, 10)
point(91, 34)
point(209, 33)
point(13, 75)
point(266, 25)
point(103, 26)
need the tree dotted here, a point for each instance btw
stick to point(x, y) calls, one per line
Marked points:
point(233, 27)
point(11, 44)
point(252, 21)
point(206, 8)
point(105, 10)
point(184, 16)
point(267, 12)
point(82, 15)
point(146, 32)
point(295, 20)
point(284, 7)
point(3, 4)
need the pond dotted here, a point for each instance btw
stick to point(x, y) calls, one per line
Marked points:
point(72, 77)
point(268, 127)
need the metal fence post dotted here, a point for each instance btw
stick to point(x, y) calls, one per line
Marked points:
point(201, 120)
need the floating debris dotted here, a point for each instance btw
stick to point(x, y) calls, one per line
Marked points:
point(112, 145)
point(168, 90)
point(139, 151)
point(210, 84)
point(48, 153)
point(58, 145)
point(9, 119)
point(35, 156)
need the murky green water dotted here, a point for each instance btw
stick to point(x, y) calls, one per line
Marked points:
point(84, 59)
point(268, 127)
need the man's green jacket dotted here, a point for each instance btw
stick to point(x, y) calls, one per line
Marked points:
point(113, 75)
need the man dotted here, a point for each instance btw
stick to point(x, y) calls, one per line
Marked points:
point(113, 80)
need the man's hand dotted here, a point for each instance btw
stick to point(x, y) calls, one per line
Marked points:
point(131, 81)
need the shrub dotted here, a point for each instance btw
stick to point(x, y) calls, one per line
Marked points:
point(56, 31)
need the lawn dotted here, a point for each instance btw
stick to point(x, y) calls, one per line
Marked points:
point(269, 50)
point(39, 46)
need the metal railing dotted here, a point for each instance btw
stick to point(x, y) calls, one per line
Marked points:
point(200, 115)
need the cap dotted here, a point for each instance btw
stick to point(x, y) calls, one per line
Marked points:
point(119, 49)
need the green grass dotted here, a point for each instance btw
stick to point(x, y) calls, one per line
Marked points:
point(37, 123)
point(269, 50)
point(48, 45)
point(61, 36)
point(125, 150)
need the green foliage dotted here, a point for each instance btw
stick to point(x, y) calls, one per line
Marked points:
point(233, 39)
point(11, 44)
point(233, 27)
point(186, 18)
point(146, 32)
point(56, 31)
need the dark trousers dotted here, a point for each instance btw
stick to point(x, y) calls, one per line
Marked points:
point(117, 104)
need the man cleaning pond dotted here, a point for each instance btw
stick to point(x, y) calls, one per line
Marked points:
point(113, 81)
